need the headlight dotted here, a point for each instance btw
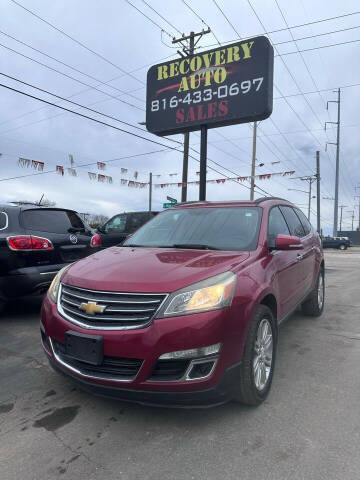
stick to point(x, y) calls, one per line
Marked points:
point(210, 294)
point(55, 284)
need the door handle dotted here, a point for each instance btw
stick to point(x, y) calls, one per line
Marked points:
point(299, 257)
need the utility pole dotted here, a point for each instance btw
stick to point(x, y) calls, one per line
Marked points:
point(358, 196)
point(150, 191)
point(337, 143)
point(318, 178)
point(341, 214)
point(253, 160)
point(311, 179)
point(188, 50)
point(352, 219)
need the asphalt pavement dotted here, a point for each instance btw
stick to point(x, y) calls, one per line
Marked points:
point(308, 428)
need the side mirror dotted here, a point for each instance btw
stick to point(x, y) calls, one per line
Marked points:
point(288, 242)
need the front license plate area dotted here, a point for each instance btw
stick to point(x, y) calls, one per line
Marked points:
point(84, 348)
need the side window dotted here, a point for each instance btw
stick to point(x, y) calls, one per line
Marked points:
point(136, 220)
point(277, 225)
point(293, 221)
point(3, 220)
point(116, 224)
point(305, 222)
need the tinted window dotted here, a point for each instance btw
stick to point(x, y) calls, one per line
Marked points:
point(305, 222)
point(3, 220)
point(136, 220)
point(116, 224)
point(228, 228)
point(51, 221)
point(277, 224)
point(293, 221)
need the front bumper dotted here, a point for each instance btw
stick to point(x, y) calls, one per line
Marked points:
point(221, 393)
point(227, 326)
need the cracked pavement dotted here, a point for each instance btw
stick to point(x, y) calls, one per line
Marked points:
point(308, 428)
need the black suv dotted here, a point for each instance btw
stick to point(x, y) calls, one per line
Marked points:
point(35, 243)
point(115, 230)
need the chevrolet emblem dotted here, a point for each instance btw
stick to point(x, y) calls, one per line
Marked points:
point(92, 307)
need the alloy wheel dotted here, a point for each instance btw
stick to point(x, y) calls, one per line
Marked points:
point(320, 291)
point(263, 354)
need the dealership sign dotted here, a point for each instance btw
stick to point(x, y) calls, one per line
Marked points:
point(224, 86)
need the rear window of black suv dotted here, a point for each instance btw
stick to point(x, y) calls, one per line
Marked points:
point(50, 221)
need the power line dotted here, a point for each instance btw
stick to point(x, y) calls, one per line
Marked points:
point(87, 117)
point(72, 102)
point(150, 19)
point(162, 17)
point(201, 20)
point(297, 26)
point(70, 77)
point(67, 65)
point(226, 18)
point(304, 62)
point(85, 90)
point(112, 126)
point(318, 48)
point(315, 35)
point(77, 41)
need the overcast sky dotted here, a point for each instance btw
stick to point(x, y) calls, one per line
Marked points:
point(131, 43)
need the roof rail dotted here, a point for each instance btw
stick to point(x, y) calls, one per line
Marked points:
point(263, 199)
point(190, 202)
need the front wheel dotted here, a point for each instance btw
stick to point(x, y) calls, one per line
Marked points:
point(314, 305)
point(342, 247)
point(257, 367)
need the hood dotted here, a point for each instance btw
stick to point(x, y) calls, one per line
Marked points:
point(150, 270)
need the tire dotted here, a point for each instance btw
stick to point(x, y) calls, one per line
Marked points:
point(248, 392)
point(314, 304)
point(342, 246)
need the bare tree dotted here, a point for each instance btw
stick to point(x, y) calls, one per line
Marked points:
point(44, 202)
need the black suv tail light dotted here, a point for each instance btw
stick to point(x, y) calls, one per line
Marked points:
point(29, 243)
point(95, 241)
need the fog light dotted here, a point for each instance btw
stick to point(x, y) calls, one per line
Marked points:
point(201, 370)
point(192, 353)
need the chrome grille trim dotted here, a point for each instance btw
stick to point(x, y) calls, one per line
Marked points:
point(86, 375)
point(122, 309)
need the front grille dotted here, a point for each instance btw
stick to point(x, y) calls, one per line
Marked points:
point(111, 367)
point(122, 310)
point(169, 370)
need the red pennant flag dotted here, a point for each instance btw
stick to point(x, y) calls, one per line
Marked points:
point(60, 170)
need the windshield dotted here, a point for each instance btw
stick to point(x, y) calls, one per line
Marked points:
point(226, 228)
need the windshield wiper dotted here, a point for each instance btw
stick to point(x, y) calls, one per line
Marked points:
point(190, 246)
point(133, 245)
point(194, 246)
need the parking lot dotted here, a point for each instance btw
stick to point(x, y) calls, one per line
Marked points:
point(308, 428)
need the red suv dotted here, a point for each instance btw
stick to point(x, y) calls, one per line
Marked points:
point(187, 310)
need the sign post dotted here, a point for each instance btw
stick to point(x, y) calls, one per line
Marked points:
point(203, 157)
point(219, 87)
